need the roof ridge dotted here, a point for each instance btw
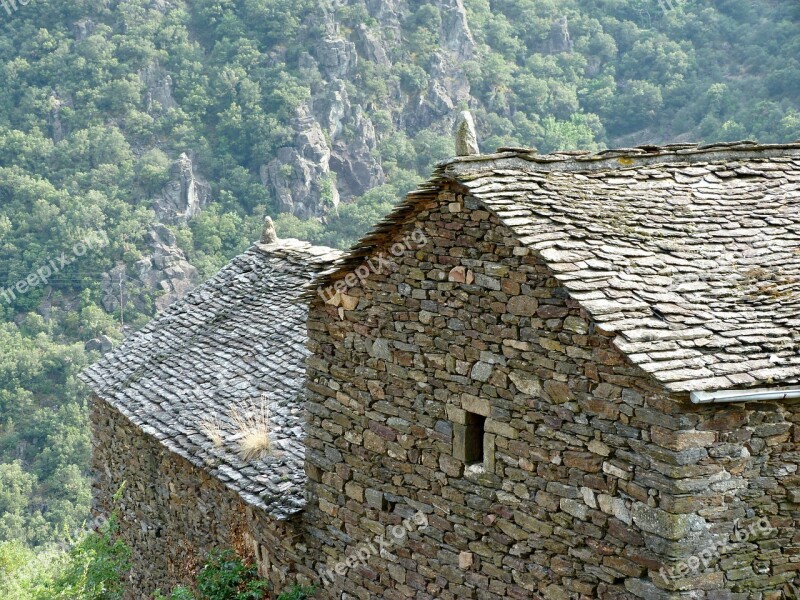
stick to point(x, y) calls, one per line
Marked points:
point(297, 250)
point(684, 152)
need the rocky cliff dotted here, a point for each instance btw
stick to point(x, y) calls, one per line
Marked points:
point(164, 271)
point(333, 157)
point(184, 196)
point(332, 154)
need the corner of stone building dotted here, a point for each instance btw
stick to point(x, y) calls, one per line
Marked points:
point(739, 474)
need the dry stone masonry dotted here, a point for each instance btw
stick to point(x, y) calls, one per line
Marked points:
point(163, 417)
point(174, 512)
point(525, 375)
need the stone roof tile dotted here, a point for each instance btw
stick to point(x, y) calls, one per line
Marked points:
point(675, 256)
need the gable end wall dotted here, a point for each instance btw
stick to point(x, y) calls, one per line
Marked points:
point(473, 321)
point(171, 513)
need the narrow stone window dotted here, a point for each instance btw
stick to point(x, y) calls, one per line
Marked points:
point(468, 439)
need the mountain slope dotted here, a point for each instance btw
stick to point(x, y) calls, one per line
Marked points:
point(173, 127)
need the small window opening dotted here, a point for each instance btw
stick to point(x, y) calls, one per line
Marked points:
point(473, 438)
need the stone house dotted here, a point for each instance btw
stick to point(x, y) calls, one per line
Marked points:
point(166, 421)
point(563, 376)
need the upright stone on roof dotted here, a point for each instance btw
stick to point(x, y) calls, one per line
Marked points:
point(268, 233)
point(466, 137)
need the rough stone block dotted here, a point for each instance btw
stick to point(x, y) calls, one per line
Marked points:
point(375, 499)
point(474, 404)
point(666, 525)
point(502, 429)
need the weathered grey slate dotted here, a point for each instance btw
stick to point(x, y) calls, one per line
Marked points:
point(696, 252)
point(238, 336)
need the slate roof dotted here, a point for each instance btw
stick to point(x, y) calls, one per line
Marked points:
point(690, 254)
point(238, 336)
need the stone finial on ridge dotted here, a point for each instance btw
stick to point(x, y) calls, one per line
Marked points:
point(466, 137)
point(268, 234)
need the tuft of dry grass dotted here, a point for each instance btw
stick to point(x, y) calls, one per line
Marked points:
point(252, 427)
point(212, 430)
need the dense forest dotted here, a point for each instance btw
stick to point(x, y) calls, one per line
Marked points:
point(173, 127)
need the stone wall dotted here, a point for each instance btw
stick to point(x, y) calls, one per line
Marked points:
point(172, 513)
point(738, 465)
point(593, 483)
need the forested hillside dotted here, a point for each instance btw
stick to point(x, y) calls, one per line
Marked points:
point(170, 128)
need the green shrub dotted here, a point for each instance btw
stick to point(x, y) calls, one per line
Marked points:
point(96, 567)
point(298, 592)
point(224, 577)
point(25, 574)
point(93, 569)
point(179, 593)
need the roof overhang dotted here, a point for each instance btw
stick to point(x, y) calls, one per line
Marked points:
point(754, 395)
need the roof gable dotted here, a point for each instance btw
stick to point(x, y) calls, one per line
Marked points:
point(692, 255)
point(238, 336)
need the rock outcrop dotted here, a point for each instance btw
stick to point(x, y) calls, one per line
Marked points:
point(559, 40)
point(83, 29)
point(448, 87)
point(456, 36)
point(299, 177)
point(185, 194)
point(166, 271)
point(333, 156)
point(101, 344)
point(57, 128)
point(158, 85)
point(353, 160)
point(371, 47)
point(336, 56)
